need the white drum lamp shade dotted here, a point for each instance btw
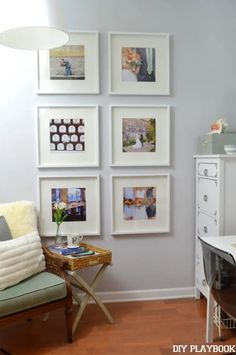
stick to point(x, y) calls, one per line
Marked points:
point(32, 24)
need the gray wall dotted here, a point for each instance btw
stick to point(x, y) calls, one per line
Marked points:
point(202, 64)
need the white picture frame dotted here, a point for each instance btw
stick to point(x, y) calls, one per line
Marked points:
point(138, 63)
point(82, 191)
point(140, 204)
point(140, 135)
point(72, 68)
point(68, 136)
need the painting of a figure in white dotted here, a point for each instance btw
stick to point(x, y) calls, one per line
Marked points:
point(139, 134)
point(138, 144)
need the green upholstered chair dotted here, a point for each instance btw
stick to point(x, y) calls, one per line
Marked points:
point(40, 293)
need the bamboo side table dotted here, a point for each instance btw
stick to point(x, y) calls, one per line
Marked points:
point(101, 257)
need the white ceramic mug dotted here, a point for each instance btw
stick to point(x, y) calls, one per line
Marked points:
point(73, 239)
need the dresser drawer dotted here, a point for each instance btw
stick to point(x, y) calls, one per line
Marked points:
point(207, 225)
point(200, 274)
point(200, 278)
point(207, 195)
point(207, 169)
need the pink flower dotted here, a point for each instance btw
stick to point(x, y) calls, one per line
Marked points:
point(218, 126)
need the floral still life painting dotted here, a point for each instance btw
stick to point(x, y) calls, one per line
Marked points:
point(138, 64)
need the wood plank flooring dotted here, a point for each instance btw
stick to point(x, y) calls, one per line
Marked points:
point(141, 328)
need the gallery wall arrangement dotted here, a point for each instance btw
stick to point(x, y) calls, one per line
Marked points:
point(68, 135)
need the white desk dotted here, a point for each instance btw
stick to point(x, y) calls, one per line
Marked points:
point(225, 247)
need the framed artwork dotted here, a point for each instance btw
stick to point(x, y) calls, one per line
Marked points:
point(72, 68)
point(81, 195)
point(68, 136)
point(138, 63)
point(140, 204)
point(140, 135)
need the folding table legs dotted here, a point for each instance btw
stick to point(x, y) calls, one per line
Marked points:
point(90, 292)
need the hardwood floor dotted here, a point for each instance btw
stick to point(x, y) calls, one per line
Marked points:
point(141, 328)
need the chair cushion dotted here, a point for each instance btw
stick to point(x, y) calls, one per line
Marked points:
point(21, 217)
point(20, 258)
point(5, 233)
point(34, 291)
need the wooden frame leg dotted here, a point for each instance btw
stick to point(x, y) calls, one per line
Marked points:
point(69, 321)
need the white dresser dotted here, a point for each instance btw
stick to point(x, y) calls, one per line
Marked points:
point(215, 205)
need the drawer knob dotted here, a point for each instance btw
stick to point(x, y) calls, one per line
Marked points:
point(205, 198)
point(206, 172)
point(205, 229)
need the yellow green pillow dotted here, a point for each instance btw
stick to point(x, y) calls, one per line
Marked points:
point(21, 217)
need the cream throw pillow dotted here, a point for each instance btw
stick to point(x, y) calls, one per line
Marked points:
point(20, 259)
point(21, 217)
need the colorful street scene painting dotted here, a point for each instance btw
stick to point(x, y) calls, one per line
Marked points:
point(75, 200)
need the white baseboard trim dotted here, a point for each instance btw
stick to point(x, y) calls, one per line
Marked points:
point(146, 295)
